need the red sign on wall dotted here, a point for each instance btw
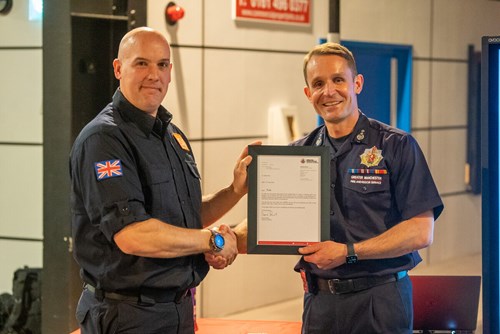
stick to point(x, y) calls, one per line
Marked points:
point(292, 12)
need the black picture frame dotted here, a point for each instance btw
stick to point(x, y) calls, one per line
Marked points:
point(255, 246)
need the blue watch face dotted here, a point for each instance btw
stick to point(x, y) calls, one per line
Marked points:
point(219, 241)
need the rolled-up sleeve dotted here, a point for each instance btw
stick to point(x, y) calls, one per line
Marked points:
point(115, 200)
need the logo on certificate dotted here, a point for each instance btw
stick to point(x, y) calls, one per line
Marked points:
point(309, 161)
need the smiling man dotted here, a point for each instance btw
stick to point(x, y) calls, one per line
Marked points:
point(333, 90)
point(382, 209)
point(137, 208)
point(144, 76)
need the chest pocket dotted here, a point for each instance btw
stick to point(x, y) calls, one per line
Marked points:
point(158, 174)
point(192, 166)
point(160, 190)
point(194, 183)
point(367, 198)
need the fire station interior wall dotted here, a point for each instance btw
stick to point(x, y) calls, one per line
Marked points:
point(21, 143)
point(226, 76)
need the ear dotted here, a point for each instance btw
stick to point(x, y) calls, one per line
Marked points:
point(358, 83)
point(170, 73)
point(307, 91)
point(117, 67)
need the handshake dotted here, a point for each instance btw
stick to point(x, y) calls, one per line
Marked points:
point(227, 243)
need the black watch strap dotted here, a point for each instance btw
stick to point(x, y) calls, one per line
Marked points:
point(351, 257)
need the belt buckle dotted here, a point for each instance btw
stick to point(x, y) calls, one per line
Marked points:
point(331, 285)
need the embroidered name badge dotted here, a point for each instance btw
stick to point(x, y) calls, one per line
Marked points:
point(371, 157)
point(366, 176)
point(107, 169)
point(181, 141)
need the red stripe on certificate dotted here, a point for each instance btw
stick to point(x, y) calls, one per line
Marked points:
point(285, 243)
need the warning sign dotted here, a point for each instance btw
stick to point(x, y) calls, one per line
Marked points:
point(290, 12)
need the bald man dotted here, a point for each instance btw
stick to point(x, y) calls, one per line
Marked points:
point(139, 223)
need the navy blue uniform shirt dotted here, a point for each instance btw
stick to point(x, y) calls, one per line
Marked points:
point(122, 172)
point(379, 178)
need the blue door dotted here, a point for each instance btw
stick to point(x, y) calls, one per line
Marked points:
point(387, 70)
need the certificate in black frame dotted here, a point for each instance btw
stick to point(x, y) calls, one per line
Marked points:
point(304, 153)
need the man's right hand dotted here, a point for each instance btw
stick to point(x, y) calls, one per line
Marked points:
point(227, 256)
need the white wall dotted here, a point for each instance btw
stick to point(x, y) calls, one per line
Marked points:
point(21, 147)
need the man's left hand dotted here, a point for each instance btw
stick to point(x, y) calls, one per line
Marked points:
point(326, 255)
point(240, 171)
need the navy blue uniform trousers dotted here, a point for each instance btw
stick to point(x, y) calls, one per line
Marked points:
point(126, 317)
point(386, 308)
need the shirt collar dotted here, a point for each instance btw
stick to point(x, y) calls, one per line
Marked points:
point(358, 135)
point(144, 121)
point(361, 131)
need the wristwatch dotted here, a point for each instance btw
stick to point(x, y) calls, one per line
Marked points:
point(351, 257)
point(216, 241)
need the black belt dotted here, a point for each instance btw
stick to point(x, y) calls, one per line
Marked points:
point(340, 286)
point(148, 297)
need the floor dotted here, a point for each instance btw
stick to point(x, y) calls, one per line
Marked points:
point(291, 310)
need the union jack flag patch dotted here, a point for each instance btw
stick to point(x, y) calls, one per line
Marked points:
point(107, 169)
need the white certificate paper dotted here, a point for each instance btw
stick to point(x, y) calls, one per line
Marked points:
point(287, 208)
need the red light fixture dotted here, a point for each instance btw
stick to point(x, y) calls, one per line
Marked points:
point(5, 6)
point(173, 13)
